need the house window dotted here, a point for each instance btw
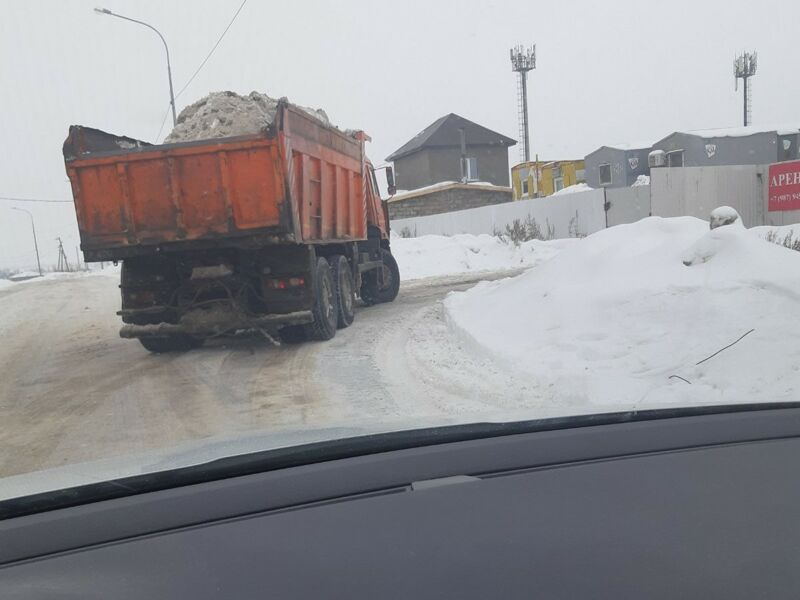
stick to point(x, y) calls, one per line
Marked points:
point(558, 184)
point(605, 174)
point(525, 187)
point(675, 158)
point(471, 169)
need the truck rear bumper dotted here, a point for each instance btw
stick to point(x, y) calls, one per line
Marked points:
point(212, 323)
point(101, 250)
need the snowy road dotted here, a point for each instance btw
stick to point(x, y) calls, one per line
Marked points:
point(623, 319)
point(73, 391)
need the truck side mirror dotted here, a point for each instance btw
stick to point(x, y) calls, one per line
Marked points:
point(390, 181)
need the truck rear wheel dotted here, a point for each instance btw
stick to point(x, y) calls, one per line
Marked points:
point(372, 292)
point(345, 292)
point(171, 343)
point(326, 305)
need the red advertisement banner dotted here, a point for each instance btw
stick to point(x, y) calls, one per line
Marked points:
point(784, 186)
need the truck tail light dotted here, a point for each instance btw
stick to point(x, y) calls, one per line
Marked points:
point(142, 297)
point(276, 284)
point(282, 284)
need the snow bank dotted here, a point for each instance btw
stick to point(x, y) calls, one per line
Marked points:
point(226, 114)
point(24, 275)
point(108, 271)
point(437, 256)
point(778, 232)
point(641, 180)
point(610, 320)
point(572, 189)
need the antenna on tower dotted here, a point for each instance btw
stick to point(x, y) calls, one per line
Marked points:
point(522, 61)
point(744, 67)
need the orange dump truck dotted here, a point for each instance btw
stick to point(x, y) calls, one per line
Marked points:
point(275, 232)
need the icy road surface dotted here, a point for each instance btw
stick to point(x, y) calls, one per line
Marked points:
point(73, 391)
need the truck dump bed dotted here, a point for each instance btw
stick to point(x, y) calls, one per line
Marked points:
point(300, 182)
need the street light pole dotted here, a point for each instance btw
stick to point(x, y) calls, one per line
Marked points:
point(35, 243)
point(105, 11)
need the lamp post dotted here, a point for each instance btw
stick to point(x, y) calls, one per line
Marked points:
point(105, 11)
point(35, 243)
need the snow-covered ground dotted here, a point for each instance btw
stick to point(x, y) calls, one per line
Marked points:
point(625, 316)
point(779, 232)
point(437, 255)
point(424, 256)
point(108, 271)
point(595, 325)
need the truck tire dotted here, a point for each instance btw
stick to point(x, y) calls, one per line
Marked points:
point(345, 290)
point(371, 292)
point(326, 306)
point(171, 343)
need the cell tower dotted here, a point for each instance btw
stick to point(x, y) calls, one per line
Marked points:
point(744, 67)
point(522, 61)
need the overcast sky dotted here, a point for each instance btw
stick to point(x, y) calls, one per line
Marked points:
point(607, 72)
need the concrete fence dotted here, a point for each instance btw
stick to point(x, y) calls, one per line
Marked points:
point(673, 192)
point(570, 215)
point(628, 204)
point(696, 191)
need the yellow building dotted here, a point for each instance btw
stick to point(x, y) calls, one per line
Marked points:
point(553, 176)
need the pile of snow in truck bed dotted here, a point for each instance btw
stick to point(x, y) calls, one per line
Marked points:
point(226, 114)
point(438, 255)
point(624, 316)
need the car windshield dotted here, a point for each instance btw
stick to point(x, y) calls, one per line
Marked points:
point(234, 226)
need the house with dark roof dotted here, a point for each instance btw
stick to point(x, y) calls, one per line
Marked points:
point(435, 155)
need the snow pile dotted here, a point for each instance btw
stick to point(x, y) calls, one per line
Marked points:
point(24, 276)
point(227, 114)
point(777, 232)
point(641, 180)
point(724, 215)
point(619, 318)
point(441, 185)
point(437, 255)
point(572, 189)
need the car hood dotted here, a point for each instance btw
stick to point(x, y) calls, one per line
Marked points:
point(211, 449)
